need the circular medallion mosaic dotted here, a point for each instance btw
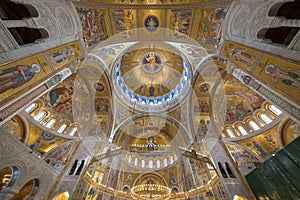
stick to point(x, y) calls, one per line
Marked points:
point(151, 62)
point(151, 23)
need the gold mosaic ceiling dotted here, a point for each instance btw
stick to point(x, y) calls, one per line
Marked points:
point(201, 20)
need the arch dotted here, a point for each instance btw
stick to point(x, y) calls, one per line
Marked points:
point(242, 130)
point(253, 125)
point(32, 10)
point(28, 190)
point(274, 110)
point(165, 162)
point(80, 168)
point(93, 64)
point(9, 176)
point(184, 136)
point(31, 107)
point(62, 196)
point(34, 107)
point(143, 164)
point(280, 35)
point(150, 164)
point(126, 188)
point(40, 115)
point(174, 189)
point(229, 171)
point(265, 118)
point(62, 128)
point(73, 168)
point(136, 161)
point(157, 163)
point(223, 172)
point(171, 159)
point(287, 131)
point(129, 159)
point(289, 10)
point(73, 131)
point(24, 35)
point(51, 123)
point(230, 133)
point(16, 11)
point(155, 175)
point(48, 160)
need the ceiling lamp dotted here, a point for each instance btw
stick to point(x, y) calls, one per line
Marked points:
point(151, 191)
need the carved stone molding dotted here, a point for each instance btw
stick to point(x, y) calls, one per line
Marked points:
point(15, 107)
point(260, 18)
point(46, 19)
point(280, 102)
point(239, 24)
point(65, 22)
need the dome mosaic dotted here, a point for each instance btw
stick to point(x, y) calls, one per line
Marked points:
point(152, 75)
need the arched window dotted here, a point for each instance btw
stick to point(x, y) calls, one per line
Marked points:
point(242, 130)
point(254, 125)
point(165, 162)
point(129, 158)
point(73, 131)
point(51, 123)
point(150, 164)
point(290, 10)
point(14, 11)
point(9, 176)
point(28, 191)
point(24, 35)
point(223, 172)
point(174, 190)
point(62, 128)
point(230, 133)
point(41, 115)
point(281, 35)
point(229, 171)
point(265, 118)
point(73, 167)
point(171, 160)
point(80, 168)
point(143, 163)
point(30, 108)
point(158, 163)
point(135, 162)
point(275, 110)
point(62, 196)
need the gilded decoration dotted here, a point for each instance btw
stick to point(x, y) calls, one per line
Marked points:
point(262, 145)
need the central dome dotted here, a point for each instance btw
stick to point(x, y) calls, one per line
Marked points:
point(152, 75)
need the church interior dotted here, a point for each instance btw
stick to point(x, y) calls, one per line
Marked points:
point(149, 99)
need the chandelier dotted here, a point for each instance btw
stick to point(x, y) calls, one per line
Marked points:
point(150, 191)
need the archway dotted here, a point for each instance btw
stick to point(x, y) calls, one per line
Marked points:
point(28, 190)
point(9, 176)
point(62, 196)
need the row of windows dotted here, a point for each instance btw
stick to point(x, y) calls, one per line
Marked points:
point(284, 34)
point(150, 163)
point(41, 115)
point(254, 125)
point(15, 11)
